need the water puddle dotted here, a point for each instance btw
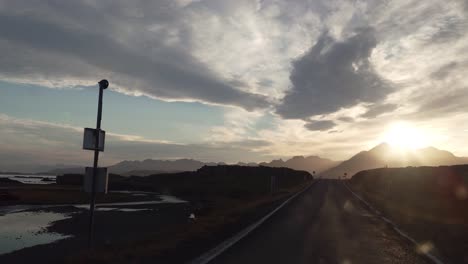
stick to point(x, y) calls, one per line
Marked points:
point(26, 229)
point(105, 206)
point(114, 209)
point(30, 179)
point(164, 199)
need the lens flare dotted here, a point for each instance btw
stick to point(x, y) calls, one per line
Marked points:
point(404, 136)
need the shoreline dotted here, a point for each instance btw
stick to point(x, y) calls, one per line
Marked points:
point(158, 222)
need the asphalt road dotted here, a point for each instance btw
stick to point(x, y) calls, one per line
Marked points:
point(326, 224)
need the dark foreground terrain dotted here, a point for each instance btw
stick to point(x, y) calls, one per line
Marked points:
point(428, 203)
point(224, 200)
point(326, 224)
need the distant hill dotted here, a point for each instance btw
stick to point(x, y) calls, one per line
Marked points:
point(150, 166)
point(247, 164)
point(220, 180)
point(145, 172)
point(384, 155)
point(310, 164)
point(32, 168)
point(144, 167)
point(380, 156)
point(70, 170)
point(156, 165)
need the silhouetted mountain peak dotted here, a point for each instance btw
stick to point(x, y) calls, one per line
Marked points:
point(382, 147)
point(384, 155)
point(298, 158)
point(310, 164)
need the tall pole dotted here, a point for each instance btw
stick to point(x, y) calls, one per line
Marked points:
point(102, 85)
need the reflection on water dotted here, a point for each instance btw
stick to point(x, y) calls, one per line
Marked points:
point(26, 229)
point(20, 228)
point(164, 199)
point(30, 179)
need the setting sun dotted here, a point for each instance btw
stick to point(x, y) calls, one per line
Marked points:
point(404, 136)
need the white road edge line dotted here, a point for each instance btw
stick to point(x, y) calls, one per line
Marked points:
point(216, 251)
point(395, 227)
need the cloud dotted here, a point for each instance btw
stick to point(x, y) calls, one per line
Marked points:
point(451, 102)
point(449, 28)
point(52, 48)
point(320, 125)
point(304, 60)
point(378, 109)
point(29, 142)
point(333, 75)
point(265, 82)
point(232, 153)
point(447, 70)
point(346, 119)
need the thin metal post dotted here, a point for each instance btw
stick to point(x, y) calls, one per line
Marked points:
point(95, 166)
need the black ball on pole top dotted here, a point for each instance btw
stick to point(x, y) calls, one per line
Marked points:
point(103, 84)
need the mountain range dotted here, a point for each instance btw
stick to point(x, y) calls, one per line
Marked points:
point(384, 155)
point(311, 164)
point(150, 166)
point(145, 167)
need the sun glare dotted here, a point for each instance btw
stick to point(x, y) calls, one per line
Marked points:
point(404, 136)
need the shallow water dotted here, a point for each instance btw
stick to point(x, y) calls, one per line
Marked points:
point(30, 179)
point(20, 228)
point(164, 199)
point(26, 229)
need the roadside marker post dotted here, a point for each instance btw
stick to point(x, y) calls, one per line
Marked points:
point(101, 180)
point(93, 139)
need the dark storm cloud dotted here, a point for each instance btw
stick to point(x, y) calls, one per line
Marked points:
point(333, 75)
point(320, 125)
point(52, 46)
point(378, 109)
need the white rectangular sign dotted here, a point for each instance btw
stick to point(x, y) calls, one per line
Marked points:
point(101, 180)
point(89, 139)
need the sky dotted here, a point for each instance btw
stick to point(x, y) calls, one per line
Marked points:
point(245, 80)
